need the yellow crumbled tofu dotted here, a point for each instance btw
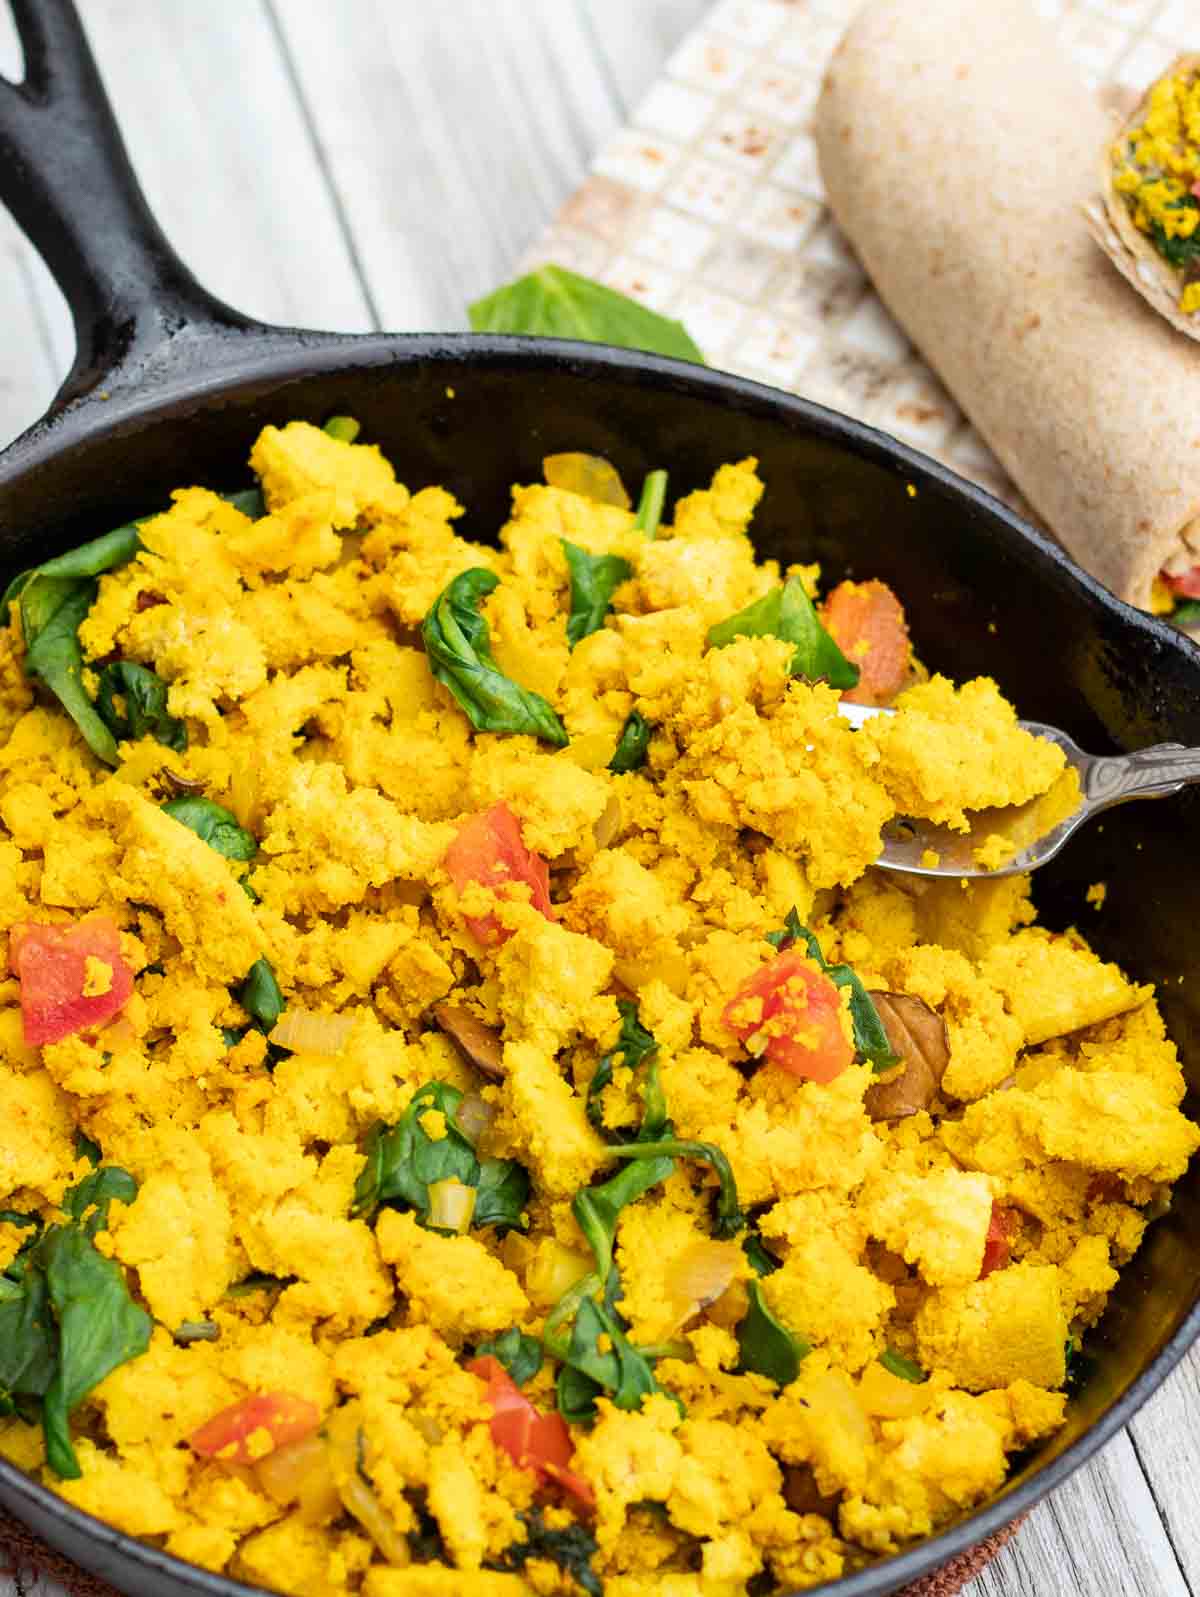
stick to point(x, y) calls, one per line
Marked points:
point(467, 1083)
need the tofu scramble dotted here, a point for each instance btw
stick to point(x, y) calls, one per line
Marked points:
point(473, 1120)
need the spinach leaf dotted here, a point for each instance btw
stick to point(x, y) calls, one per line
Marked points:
point(458, 646)
point(870, 1039)
point(762, 1260)
point(633, 744)
point(1186, 613)
point(594, 580)
point(896, 1364)
point(572, 1548)
point(634, 1044)
point(261, 997)
point(650, 505)
point(729, 1216)
point(54, 598)
point(99, 1328)
point(257, 1282)
point(1177, 251)
point(249, 501)
point(520, 1355)
point(145, 695)
point(85, 1148)
point(66, 1316)
point(767, 1347)
point(213, 824)
point(344, 428)
point(620, 1371)
point(1080, 1368)
point(788, 613)
point(555, 303)
point(403, 1161)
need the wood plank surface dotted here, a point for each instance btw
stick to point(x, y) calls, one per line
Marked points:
point(382, 163)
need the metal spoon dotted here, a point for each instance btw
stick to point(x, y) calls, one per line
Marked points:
point(1104, 780)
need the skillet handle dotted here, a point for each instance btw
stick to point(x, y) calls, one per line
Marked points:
point(66, 177)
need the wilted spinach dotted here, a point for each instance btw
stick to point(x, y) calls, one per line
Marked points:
point(572, 1548)
point(520, 1355)
point(633, 744)
point(402, 1162)
point(650, 505)
point(213, 824)
point(787, 612)
point(870, 1039)
point(896, 1364)
point(594, 580)
point(70, 1320)
point(145, 713)
point(260, 996)
point(767, 1347)
point(53, 599)
point(458, 647)
point(634, 1044)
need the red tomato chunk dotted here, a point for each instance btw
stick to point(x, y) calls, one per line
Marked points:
point(793, 1013)
point(72, 976)
point(867, 623)
point(1184, 584)
point(533, 1440)
point(997, 1248)
point(284, 1417)
point(490, 851)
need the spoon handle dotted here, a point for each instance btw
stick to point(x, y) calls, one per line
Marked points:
point(1147, 773)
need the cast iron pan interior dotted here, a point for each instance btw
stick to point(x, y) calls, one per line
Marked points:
point(171, 386)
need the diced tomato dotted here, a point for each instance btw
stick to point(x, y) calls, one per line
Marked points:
point(533, 1440)
point(230, 1435)
point(61, 993)
point(490, 850)
point(867, 623)
point(796, 1011)
point(997, 1248)
point(1185, 584)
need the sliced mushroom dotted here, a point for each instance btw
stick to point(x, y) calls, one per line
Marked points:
point(918, 1034)
point(481, 1044)
point(802, 1494)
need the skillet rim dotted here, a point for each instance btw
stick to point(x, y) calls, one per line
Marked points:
point(276, 358)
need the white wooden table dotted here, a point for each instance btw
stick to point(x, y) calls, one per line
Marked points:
point(378, 164)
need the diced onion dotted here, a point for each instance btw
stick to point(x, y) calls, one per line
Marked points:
point(474, 1116)
point(301, 1473)
point(425, 1426)
point(700, 1274)
point(304, 1032)
point(554, 1270)
point(451, 1205)
point(359, 1500)
point(589, 475)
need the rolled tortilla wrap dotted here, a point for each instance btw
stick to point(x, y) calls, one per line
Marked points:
point(1130, 250)
point(958, 149)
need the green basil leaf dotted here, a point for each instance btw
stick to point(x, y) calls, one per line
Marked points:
point(99, 1328)
point(553, 302)
point(788, 613)
point(633, 744)
point(767, 1347)
point(571, 1548)
point(634, 1043)
point(520, 1355)
point(213, 824)
point(52, 610)
point(344, 428)
point(897, 1364)
point(870, 1039)
point(145, 695)
point(260, 996)
point(458, 647)
point(650, 505)
point(594, 580)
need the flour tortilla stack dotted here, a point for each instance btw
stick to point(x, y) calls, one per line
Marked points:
point(1129, 249)
point(959, 150)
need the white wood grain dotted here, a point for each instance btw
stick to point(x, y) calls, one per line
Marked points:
point(382, 162)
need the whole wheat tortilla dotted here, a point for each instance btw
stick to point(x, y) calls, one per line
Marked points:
point(958, 150)
point(1129, 249)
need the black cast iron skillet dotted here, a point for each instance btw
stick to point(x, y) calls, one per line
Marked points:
point(171, 386)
